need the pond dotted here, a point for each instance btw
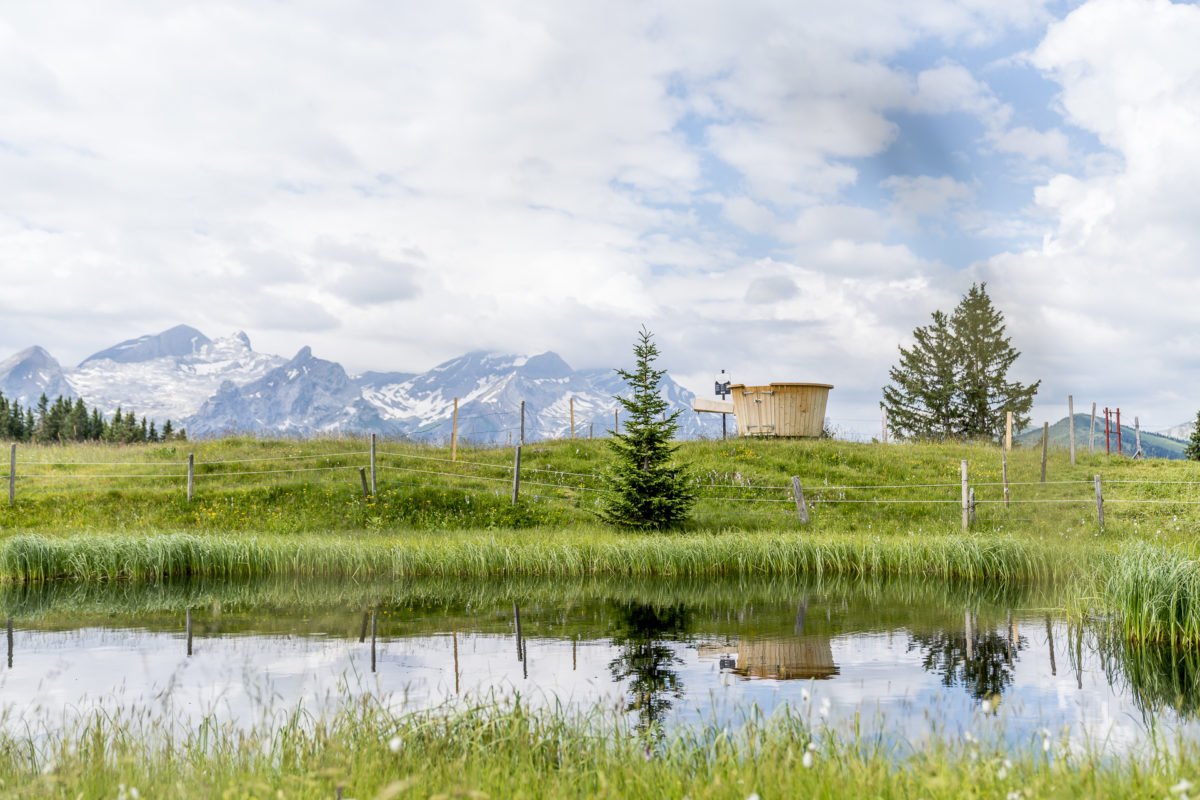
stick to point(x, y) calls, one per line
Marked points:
point(898, 660)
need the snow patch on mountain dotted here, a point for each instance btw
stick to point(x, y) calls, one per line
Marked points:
point(27, 375)
point(170, 386)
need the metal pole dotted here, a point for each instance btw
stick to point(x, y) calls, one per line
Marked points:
point(1118, 431)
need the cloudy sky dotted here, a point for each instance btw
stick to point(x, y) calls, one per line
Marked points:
point(781, 189)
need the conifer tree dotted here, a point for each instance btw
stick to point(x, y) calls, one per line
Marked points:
point(954, 382)
point(1192, 451)
point(167, 430)
point(646, 489)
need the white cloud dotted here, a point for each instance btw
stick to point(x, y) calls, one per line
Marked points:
point(1106, 304)
point(925, 195)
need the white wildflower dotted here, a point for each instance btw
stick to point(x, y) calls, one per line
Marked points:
point(825, 706)
point(985, 705)
point(1181, 787)
point(807, 761)
point(395, 743)
point(812, 747)
point(1002, 773)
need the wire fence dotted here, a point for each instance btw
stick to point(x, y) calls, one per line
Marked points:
point(718, 495)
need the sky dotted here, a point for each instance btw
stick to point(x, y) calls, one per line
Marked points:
point(783, 190)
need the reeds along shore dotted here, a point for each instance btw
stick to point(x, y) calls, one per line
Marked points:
point(365, 750)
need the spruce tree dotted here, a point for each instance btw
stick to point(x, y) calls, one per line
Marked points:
point(1192, 450)
point(647, 490)
point(167, 431)
point(953, 382)
point(920, 400)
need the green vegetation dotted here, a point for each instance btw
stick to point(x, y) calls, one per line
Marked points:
point(103, 512)
point(646, 489)
point(953, 382)
point(1192, 451)
point(67, 421)
point(367, 751)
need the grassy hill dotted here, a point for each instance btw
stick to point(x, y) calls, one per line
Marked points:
point(1154, 445)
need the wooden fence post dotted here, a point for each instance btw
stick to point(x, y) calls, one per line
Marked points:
point(12, 474)
point(1092, 434)
point(373, 465)
point(971, 503)
point(1099, 503)
point(1045, 444)
point(1004, 475)
point(1008, 430)
point(454, 433)
point(1137, 434)
point(516, 492)
point(591, 429)
point(191, 479)
point(965, 511)
point(522, 423)
point(1071, 425)
point(362, 473)
point(798, 495)
point(883, 409)
point(968, 629)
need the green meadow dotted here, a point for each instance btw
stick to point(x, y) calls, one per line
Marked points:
point(294, 514)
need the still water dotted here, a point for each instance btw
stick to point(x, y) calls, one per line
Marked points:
point(903, 661)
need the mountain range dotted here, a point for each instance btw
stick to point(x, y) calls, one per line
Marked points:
point(220, 386)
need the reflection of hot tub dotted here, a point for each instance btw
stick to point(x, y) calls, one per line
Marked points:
point(780, 409)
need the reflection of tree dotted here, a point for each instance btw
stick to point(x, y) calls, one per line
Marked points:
point(988, 670)
point(646, 660)
point(1159, 677)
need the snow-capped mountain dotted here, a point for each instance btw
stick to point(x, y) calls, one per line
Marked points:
point(170, 375)
point(27, 375)
point(1181, 431)
point(304, 396)
point(308, 395)
point(218, 386)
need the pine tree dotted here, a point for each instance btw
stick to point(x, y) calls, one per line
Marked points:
point(646, 489)
point(1192, 450)
point(985, 356)
point(167, 431)
point(920, 401)
point(954, 379)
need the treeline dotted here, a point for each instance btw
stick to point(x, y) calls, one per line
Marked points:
point(65, 420)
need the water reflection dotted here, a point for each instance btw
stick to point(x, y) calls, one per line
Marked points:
point(646, 664)
point(980, 661)
point(905, 656)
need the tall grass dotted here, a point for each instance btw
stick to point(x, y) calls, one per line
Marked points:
point(573, 552)
point(365, 751)
point(1156, 594)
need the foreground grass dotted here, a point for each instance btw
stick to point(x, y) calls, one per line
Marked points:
point(364, 751)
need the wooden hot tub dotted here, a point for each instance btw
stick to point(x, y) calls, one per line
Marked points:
point(780, 409)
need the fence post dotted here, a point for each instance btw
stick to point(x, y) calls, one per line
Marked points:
point(12, 474)
point(591, 429)
point(572, 416)
point(1092, 434)
point(883, 409)
point(362, 473)
point(1071, 425)
point(798, 495)
point(1118, 431)
point(522, 441)
point(1099, 503)
point(516, 492)
point(1137, 434)
point(372, 640)
point(454, 433)
point(1008, 430)
point(1045, 444)
point(965, 511)
point(10, 642)
point(372, 465)
point(189, 631)
point(971, 503)
point(191, 482)
point(1004, 474)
